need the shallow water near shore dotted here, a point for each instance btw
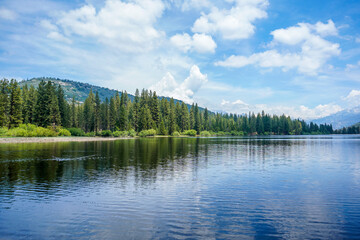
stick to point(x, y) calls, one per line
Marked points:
point(180, 188)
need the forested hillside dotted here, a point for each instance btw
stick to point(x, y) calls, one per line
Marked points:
point(354, 129)
point(81, 90)
point(47, 106)
point(73, 88)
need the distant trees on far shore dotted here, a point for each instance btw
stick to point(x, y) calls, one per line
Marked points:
point(46, 106)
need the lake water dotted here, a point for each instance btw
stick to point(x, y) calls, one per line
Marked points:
point(182, 188)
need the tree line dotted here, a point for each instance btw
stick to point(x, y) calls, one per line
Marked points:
point(46, 106)
point(355, 129)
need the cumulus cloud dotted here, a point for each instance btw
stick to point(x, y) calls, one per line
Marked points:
point(185, 91)
point(303, 112)
point(126, 25)
point(234, 23)
point(7, 14)
point(201, 43)
point(353, 98)
point(311, 54)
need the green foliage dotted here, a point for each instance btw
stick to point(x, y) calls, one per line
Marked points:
point(205, 134)
point(132, 133)
point(175, 134)
point(147, 133)
point(48, 105)
point(90, 134)
point(189, 133)
point(64, 132)
point(78, 132)
point(106, 133)
point(3, 131)
point(120, 134)
point(237, 133)
point(30, 130)
point(221, 133)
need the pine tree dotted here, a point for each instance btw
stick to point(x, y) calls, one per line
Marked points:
point(105, 114)
point(42, 105)
point(192, 116)
point(97, 113)
point(197, 125)
point(252, 122)
point(259, 124)
point(15, 104)
point(112, 114)
point(54, 117)
point(4, 103)
point(145, 118)
point(184, 124)
point(89, 105)
point(74, 117)
point(136, 111)
point(172, 117)
point(155, 110)
point(63, 107)
point(123, 114)
point(162, 129)
point(25, 108)
point(206, 119)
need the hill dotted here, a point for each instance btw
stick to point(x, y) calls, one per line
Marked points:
point(72, 88)
point(81, 90)
point(341, 119)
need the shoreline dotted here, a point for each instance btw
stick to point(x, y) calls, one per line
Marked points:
point(57, 139)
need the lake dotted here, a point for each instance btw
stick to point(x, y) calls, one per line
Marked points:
point(182, 188)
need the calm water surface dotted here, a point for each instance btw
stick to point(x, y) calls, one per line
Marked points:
point(182, 188)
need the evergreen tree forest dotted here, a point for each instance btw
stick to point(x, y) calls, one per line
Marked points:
point(46, 106)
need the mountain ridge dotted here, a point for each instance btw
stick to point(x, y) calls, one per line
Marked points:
point(344, 118)
point(81, 90)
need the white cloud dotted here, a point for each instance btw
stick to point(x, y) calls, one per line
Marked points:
point(353, 98)
point(357, 40)
point(58, 37)
point(350, 67)
point(201, 43)
point(7, 14)
point(328, 29)
point(47, 25)
point(194, 4)
point(127, 26)
point(234, 23)
point(312, 54)
point(303, 112)
point(185, 91)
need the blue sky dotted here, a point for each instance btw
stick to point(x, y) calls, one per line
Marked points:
point(301, 58)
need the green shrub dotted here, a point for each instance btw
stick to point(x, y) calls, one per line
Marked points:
point(90, 134)
point(175, 134)
point(132, 133)
point(147, 133)
point(17, 132)
point(205, 134)
point(28, 127)
point(76, 132)
point(106, 133)
point(64, 132)
point(120, 134)
point(190, 133)
point(43, 132)
point(30, 130)
point(3, 131)
point(221, 133)
point(236, 133)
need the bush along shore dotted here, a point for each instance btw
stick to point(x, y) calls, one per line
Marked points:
point(45, 111)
